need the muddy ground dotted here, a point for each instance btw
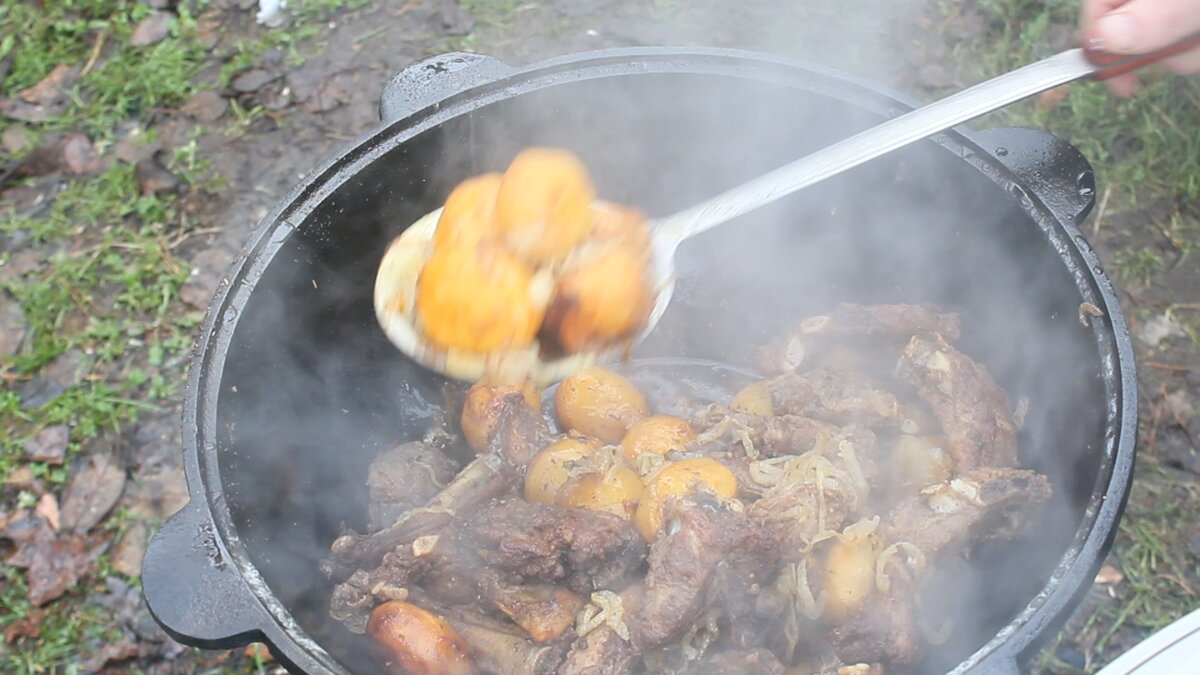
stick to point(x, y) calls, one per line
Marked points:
point(260, 117)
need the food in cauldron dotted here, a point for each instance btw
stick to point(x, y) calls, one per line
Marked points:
point(530, 258)
point(794, 528)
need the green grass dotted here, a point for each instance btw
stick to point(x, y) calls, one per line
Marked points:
point(123, 81)
point(1161, 579)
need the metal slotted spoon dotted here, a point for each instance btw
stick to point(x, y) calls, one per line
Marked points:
point(395, 285)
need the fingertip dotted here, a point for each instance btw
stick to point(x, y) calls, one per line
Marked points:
point(1123, 86)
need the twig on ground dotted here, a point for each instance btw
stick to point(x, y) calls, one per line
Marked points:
point(87, 67)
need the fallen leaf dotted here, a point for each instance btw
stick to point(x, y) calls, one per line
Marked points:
point(47, 508)
point(12, 325)
point(128, 553)
point(160, 495)
point(53, 563)
point(20, 477)
point(252, 80)
point(45, 100)
point(80, 155)
point(152, 29)
point(29, 627)
point(113, 652)
point(64, 372)
point(152, 178)
point(50, 88)
point(49, 445)
point(259, 651)
point(206, 106)
point(92, 492)
point(14, 139)
point(1109, 576)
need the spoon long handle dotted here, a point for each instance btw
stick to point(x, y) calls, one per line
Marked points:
point(898, 132)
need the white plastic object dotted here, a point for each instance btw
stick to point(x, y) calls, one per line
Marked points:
point(1174, 650)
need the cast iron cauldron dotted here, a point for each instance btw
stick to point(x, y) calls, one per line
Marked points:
point(293, 387)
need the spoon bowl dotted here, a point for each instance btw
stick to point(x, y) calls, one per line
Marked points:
point(395, 299)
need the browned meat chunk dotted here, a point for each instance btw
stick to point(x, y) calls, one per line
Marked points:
point(588, 550)
point(973, 410)
point(850, 338)
point(836, 397)
point(747, 662)
point(798, 515)
point(404, 478)
point(521, 432)
point(992, 503)
point(544, 611)
point(600, 652)
point(892, 321)
point(480, 481)
point(499, 647)
point(884, 632)
point(982, 504)
point(702, 532)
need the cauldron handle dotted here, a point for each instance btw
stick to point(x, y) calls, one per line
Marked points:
point(430, 81)
point(194, 589)
point(1053, 169)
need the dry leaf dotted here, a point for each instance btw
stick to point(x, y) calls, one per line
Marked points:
point(47, 507)
point(1109, 576)
point(92, 492)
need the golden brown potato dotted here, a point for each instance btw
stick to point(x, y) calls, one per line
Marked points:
point(620, 225)
point(469, 215)
point(677, 479)
point(478, 299)
point(418, 642)
point(550, 468)
point(481, 409)
point(618, 491)
point(754, 399)
point(599, 403)
point(922, 460)
point(543, 206)
point(600, 301)
point(849, 575)
point(658, 434)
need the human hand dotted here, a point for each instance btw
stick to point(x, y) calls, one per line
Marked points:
point(1138, 27)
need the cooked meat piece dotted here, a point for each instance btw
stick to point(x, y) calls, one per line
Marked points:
point(837, 397)
point(600, 652)
point(743, 662)
point(702, 531)
point(521, 432)
point(444, 565)
point(900, 321)
point(796, 435)
point(990, 503)
point(587, 550)
point(404, 478)
point(851, 337)
point(544, 611)
point(499, 647)
point(973, 410)
point(885, 631)
point(795, 515)
point(351, 602)
point(481, 480)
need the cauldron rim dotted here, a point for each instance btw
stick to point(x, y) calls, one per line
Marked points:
point(268, 620)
